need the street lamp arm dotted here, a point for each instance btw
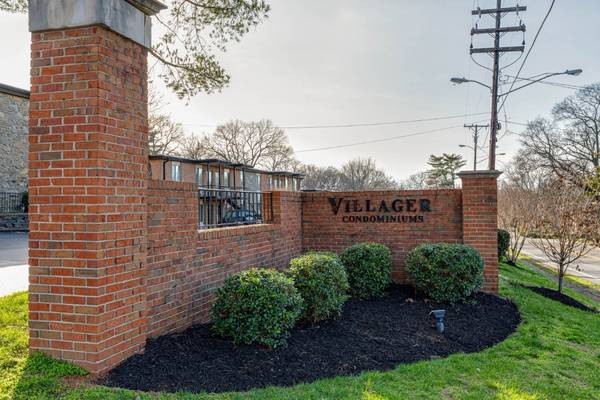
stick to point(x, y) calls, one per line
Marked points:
point(480, 83)
point(568, 72)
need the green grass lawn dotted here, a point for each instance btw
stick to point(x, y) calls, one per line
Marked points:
point(555, 354)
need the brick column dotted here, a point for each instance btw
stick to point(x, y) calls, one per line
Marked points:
point(480, 220)
point(88, 163)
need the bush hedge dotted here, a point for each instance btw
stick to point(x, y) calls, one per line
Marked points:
point(322, 282)
point(445, 272)
point(503, 243)
point(257, 306)
point(368, 266)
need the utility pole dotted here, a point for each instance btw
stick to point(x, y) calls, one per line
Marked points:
point(496, 51)
point(475, 128)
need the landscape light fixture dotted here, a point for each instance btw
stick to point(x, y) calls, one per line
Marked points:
point(439, 319)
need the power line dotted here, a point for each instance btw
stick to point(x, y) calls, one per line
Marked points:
point(366, 124)
point(529, 51)
point(378, 140)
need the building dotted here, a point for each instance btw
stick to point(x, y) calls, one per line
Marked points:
point(221, 174)
point(228, 193)
point(14, 121)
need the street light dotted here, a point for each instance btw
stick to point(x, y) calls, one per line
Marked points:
point(458, 81)
point(494, 118)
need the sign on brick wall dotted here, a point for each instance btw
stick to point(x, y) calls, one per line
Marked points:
point(386, 210)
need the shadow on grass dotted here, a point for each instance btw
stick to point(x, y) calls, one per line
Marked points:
point(41, 377)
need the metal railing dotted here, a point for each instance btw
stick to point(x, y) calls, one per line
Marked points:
point(227, 207)
point(13, 203)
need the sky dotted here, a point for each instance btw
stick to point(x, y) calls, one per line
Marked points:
point(334, 62)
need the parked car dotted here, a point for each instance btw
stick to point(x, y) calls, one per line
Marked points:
point(241, 216)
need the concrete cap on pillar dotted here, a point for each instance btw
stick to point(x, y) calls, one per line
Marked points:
point(130, 18)
point(479, 174)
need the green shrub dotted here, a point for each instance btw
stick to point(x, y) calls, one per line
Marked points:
point(368, 266)
point(445, 272)
point(322, 282)
point(326, 253)
point(257, 306)
point(503, 243)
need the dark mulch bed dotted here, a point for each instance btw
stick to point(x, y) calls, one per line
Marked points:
point(563, 298)
point(371, 335)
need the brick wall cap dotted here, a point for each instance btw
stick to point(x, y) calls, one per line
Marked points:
point(479, 174)
point(148, 7)
point(129, 18)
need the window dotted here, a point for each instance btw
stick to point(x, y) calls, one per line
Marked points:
point(214, 180)
point(198, 175)
point(270, 182)
point(226, 178)
point(176, 171)
point(242, 179)
point(286, 182)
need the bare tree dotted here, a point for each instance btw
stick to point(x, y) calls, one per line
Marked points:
point(192, 146)
point(321, 178)
point(258, 144)
point(568, 223)
point(164, 134)
point(418, 180)
point(363, 174)
point(517, 200)
point(516, 214)
point(526, 173)
point(569, 145)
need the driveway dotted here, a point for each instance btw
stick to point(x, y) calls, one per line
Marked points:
point(14, 271)
point(587, 268)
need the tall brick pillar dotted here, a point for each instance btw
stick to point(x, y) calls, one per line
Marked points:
point(88, 163)
point(480, 220)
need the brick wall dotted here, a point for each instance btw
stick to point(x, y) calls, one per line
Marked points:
point(324, 230)
point(480, 220)
point(88, 166)
point(186, 266)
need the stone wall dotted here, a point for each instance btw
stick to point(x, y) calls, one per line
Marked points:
point(14, 117)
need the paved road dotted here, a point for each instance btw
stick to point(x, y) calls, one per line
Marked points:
point(13, 262)
point(587, 268)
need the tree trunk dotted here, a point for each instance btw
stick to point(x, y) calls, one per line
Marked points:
point(560, 281)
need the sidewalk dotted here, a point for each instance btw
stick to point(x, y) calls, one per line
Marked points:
point(13, 279)
point(14, 271)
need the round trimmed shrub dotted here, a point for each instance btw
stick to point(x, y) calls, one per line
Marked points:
point(257, 306)
point(322, 282)
point(368, 266)
point(445, 272)
point(503, 243)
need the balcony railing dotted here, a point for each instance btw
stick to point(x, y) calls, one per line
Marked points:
point(13, 203)
point(226, 207)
